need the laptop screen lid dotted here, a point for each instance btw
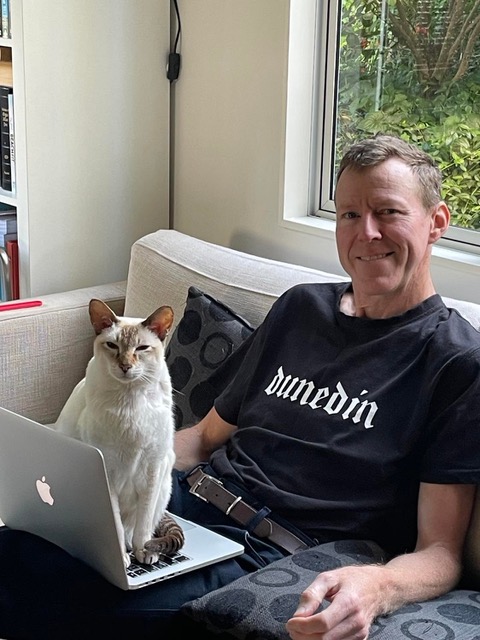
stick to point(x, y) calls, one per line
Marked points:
point(56, 487)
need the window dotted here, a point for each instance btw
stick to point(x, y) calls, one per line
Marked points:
point(407, 67)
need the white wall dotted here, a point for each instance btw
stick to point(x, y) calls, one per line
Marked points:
point(230, 106)
point(95, 136)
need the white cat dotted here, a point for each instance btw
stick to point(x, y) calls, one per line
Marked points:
point(124, 407)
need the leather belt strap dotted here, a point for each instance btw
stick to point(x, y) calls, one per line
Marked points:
point(213, 491)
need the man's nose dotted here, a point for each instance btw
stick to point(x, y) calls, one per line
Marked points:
point(369, 228)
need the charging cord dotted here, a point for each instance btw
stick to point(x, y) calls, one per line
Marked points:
point(173, 67)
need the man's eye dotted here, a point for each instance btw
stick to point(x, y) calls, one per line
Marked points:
point(111, 345)
point(349, 215)
point(389, 211)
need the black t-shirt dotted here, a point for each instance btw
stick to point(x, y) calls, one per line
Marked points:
point(340, 418)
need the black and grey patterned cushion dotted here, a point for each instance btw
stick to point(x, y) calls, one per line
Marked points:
point(454, 616)
point(207, 334)
point(256, 606)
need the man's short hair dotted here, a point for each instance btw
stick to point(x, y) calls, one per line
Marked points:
point(373, 151)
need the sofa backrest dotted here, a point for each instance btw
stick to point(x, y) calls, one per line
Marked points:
point(164, 264)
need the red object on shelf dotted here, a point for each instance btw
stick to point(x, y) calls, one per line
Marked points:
point(11, 247)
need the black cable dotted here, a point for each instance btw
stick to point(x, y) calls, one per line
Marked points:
point(173, 68)
point(179, 25)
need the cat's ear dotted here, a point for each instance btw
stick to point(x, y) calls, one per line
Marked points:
point(160, 321)
point(101, 316)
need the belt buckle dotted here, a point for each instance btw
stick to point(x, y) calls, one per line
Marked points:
point(194, 488)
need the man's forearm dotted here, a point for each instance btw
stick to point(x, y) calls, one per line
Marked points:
point(418, 576)
point(189, 448)
point(195, 444)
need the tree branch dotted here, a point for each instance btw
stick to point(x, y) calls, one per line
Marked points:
point(467, 52)
point(452, 20)
point(404, 31)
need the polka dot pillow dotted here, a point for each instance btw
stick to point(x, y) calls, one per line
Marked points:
point(208, 333)
point(257, 606)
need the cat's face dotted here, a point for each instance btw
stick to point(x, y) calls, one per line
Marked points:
point(129, 351)
point(129, 348)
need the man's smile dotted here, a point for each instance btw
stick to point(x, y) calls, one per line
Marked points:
point(378, 256)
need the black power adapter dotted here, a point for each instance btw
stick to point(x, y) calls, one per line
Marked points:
point(173, 68)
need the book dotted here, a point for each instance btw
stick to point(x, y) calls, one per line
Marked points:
point(11, 247)
point(6, 28)
point(5, 238)
point(13, 166)
point(8, 213)
point(5, 289)
point(8, 228)
point(6, 175)
point(10, 236)
point(7, 225)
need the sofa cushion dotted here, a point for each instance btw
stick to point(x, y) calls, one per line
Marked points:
point(256, 606)
point(206, 335)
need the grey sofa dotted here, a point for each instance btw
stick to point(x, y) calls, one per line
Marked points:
point(44, 352)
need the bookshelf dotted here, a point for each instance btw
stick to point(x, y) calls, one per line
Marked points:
point(91, 103)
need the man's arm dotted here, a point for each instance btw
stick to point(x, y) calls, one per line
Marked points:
point(195, 444)
point(358, 594)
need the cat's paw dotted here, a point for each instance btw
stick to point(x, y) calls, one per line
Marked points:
point(127, 560)
point(165, 545)
point(145, 556)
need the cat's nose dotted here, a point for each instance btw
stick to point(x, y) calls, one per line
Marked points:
point(125, 367)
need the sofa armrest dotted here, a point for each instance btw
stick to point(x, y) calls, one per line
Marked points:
point(44, 350)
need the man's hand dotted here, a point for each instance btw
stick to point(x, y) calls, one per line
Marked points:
point(358, 594)
point(355, 600)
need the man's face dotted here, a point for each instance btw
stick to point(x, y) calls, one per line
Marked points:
point(384, 232)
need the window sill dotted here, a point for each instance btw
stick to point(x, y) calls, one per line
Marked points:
point(309, 224)
point(460, 258)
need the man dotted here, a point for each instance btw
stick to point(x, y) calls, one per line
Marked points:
point(351, 412)
point(400, 365)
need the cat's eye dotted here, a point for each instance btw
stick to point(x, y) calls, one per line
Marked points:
point(142, 347)
point(111, 345)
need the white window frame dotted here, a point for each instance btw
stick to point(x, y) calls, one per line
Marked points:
point(311, 82)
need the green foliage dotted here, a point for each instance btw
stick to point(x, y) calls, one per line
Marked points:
point(382, 90)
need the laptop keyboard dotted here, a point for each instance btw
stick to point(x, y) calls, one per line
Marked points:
point(136, 569)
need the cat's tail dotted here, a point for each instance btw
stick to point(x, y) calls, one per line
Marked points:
point(169, 537)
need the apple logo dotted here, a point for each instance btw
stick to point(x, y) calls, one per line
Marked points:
point(43, 489)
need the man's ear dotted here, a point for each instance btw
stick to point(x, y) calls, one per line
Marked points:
point(440, 219)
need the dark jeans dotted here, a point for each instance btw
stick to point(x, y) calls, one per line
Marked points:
point(47, 594)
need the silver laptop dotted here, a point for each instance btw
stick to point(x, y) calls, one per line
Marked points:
point(56, 487)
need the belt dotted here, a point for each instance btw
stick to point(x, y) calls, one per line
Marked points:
point(213, 491)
